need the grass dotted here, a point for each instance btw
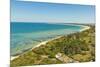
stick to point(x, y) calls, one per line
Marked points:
point(78, 46)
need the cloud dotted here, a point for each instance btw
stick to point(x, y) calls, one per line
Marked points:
point(83, 2)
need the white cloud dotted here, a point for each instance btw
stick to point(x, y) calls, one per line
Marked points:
point(84, 2)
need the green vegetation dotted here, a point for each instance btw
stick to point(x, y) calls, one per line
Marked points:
point(78, 46)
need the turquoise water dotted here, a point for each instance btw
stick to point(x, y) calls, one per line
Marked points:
point(27, 35)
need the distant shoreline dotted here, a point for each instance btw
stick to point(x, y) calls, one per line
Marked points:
point(44, 42)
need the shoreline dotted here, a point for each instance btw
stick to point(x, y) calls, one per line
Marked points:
point(84, 28)
point(13, 57)
point(44, 42)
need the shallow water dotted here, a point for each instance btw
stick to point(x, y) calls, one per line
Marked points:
point(28, 35)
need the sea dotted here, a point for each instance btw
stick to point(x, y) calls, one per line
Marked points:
point(26, 35)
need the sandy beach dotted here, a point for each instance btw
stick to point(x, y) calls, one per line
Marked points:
point(44, 42)
point(13, 57)
point(85, 28)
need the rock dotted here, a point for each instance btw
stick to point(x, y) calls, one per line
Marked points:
point(64, 58)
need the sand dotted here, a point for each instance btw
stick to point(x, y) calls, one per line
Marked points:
point(85, 28)
point(44, 42)
point(13, 57)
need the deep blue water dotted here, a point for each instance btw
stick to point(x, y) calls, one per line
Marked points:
point(27, 35)
point(36, 27)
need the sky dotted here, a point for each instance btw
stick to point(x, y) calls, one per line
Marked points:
point(24, 11)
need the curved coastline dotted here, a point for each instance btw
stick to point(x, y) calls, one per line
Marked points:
point(84, 27)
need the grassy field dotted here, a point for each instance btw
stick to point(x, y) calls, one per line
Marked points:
point(76, 47)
